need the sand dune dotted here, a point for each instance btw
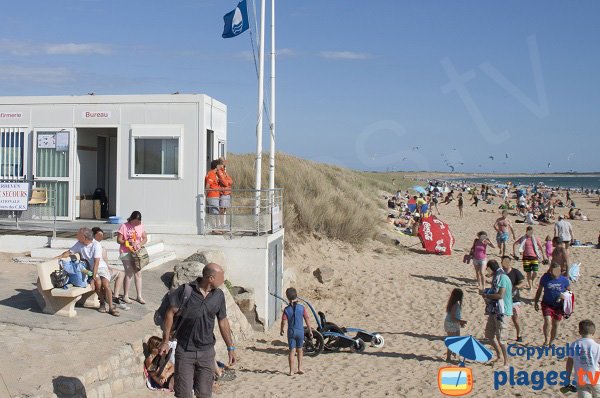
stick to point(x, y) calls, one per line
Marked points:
point(402, 294)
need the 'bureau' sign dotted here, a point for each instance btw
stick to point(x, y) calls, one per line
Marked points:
point(96, 114)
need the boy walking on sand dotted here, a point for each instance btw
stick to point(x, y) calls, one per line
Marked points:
point(585, 358)
point(295, 314)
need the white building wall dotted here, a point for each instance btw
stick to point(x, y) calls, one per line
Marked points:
point(153, 196)
point(167, 205)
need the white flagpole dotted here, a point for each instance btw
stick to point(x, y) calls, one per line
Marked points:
point(259, 123)
point(272, 112)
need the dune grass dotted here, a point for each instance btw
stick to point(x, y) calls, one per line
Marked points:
point(320, 199)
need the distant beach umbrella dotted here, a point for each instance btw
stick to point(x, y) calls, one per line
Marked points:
point(419, 189)
point(468, 347)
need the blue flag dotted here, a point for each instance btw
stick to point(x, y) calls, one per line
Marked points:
point(236, 21)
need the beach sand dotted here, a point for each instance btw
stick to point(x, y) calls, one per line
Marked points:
point(402, 293)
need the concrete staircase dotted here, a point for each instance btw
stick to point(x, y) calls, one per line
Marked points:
point(156, 250)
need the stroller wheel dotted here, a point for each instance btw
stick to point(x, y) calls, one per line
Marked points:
point(358, 346)
point(378, 341)
point(314, 346)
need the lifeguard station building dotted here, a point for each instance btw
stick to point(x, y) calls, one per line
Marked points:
point(146, 152)
point(141, 152)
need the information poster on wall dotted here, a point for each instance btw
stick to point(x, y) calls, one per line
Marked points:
point(62, 141)
point(14, 196)
point(276, 219)
point(46, 140)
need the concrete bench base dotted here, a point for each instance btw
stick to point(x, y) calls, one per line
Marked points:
point(64, 305)
point(62, 301)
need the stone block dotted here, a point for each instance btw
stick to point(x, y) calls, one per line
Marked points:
point(104, 391)
point(117, 386)
point(91, 376)
point(125, 351)
point(324, 274)
point(244, 298)
point(115, 362)
point(104, 371)
point(186, 272)
point(91, 393)
point(138, 349)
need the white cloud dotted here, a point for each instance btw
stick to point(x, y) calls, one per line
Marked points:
point(74, 48)
point(22, 48)
point(344, 55)
point(44, 75)
point(286, 52)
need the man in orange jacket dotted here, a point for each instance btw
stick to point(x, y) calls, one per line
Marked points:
point(225, 183)
point(213, 192)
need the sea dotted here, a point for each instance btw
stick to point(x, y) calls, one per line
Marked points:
point(575, 182)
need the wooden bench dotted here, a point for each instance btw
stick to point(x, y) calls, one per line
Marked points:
point(59, 301)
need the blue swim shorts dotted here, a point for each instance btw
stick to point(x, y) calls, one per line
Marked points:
point(295, 339)
point(502, 237)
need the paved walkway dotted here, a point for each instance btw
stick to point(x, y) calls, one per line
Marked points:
point(30, 339)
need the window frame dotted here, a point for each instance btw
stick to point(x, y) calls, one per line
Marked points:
point(157, 132)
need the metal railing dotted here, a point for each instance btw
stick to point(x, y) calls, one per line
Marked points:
point(248, 211)
point(40, 216)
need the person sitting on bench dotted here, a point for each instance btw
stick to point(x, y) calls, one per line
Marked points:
point(91, 252)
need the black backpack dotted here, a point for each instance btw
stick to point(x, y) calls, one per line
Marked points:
point(159, 314)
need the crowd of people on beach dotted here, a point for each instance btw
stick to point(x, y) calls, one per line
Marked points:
point(553, 293)
point(500, 284)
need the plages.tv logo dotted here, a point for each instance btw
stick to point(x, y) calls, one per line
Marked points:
point(455, 381)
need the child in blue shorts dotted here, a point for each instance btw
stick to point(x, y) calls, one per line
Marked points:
point(295, 314)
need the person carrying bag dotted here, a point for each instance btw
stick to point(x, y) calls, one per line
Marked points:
point(132, 238)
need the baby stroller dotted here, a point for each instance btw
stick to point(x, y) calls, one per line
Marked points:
point(330, 337)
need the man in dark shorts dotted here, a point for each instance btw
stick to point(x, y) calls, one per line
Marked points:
point(554, 284)
point(195, 353)
point(564, 230)
point(533, 252)
point(518, 281)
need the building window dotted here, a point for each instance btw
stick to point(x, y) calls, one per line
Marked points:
point(12, 153)
point(156, 151)
point(156, 156)
point(222, 149)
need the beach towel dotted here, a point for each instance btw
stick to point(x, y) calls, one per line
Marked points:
point(574, 273)
point(568, 303)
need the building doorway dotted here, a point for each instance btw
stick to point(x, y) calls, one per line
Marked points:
point(96, 171)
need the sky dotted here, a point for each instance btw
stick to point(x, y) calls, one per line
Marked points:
point(371, 85)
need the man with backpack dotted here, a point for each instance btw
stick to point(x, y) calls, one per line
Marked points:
point(194, 324)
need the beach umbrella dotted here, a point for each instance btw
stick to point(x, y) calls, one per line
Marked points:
point(468, 347)
point(419, 189)
point(435, 236)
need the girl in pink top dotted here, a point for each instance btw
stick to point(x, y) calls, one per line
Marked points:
point(131, 236)
point(479, 256)
point(549, 246)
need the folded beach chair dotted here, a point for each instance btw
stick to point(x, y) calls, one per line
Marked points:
point(574, 273)
point(412, 207)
